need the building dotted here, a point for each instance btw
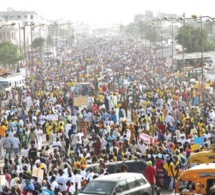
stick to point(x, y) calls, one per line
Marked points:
point(8, 32)
point(29, 25)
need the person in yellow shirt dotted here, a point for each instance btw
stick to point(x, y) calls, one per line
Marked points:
point(170, 168)
point(49, 132)
point(152, 128)
point(83, 159)
point(60, 128)
point(202, 131)
point(77, 163)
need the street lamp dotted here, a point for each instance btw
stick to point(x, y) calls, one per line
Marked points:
point(197, 19)
point(24, 44)
point(12, 24)
point(159, 20)
point(171, 19)
point(32, 28)
point(182, 19)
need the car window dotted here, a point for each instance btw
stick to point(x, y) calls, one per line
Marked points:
point(136, 167)
point(113, 168)
point(140, 181)
point(99, 187)
point(122, 186)
point(131, 182)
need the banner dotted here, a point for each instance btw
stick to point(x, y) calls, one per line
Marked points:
point(147, 138)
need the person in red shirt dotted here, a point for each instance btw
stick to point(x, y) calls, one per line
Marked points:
point(162, 127)
point(150, 173)
point(95, 108)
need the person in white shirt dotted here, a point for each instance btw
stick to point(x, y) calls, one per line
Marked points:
point(78, 179)
point(11, 133)
point(142, 147)
point(79, 137)
point(114, 100)
point(71, 187)
point(90, 175)
point(207, 135)
point(127, 134)
point(182, 140)
point(169, 119)
point(67, 128)
point(103, 143)
point(62, 179)
point(74, 121)
point(39, 133)
point(54, 184)
point(88, 117)
point(57, 144)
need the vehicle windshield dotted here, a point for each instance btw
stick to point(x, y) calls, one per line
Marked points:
point(187, 186)
point(4, 83)
point(99, 187)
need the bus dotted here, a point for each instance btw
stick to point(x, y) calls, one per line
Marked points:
point(11, 81)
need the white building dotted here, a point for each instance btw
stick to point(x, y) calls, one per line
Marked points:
point(28, 26)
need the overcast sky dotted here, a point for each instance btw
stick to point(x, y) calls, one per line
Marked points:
point(109, 11)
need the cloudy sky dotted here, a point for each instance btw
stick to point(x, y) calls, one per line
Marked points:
point(109, 11)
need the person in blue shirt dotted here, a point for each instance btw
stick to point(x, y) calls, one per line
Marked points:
point(113, 117)
point(110, 138)
point(106, 116)
point(46, 190)
point(196, 100)
point(23, 116)
point(121, 114)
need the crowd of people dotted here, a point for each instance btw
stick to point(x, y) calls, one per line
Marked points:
point(134, 94)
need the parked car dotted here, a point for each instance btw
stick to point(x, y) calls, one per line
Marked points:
point(118, 183)
point(135, 166)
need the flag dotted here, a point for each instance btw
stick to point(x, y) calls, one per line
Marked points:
point(147, 138)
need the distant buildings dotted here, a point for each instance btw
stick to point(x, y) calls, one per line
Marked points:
point(23, 20)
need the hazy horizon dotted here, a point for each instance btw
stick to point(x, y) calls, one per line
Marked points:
point(112, 11)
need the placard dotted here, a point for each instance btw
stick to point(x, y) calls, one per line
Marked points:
point(38, 173)
point(2, 179)
point(52, 117)
point(199, 140)
point(81, 101)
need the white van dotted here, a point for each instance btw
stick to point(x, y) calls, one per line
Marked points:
point(11, 81)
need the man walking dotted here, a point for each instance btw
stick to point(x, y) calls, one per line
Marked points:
point(7, 144)
point(16, 145)
point(151, 175)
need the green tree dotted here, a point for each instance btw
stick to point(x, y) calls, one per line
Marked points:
point(192, 38)
point(38, 43)
point(151, 33)
point(8, 53)
point(132, 29)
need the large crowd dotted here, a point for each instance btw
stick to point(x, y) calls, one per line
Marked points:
point(134, 94)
